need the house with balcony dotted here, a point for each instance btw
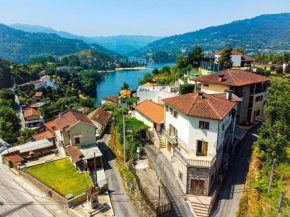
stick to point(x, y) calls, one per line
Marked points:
point(250, 87)
point(198, 133)
point(32, 118)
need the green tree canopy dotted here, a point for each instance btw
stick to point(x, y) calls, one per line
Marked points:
point(195, 56)
point(225, 61)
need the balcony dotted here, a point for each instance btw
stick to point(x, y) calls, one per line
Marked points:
point(257, 91)
point(191, 160)
point(171, 139)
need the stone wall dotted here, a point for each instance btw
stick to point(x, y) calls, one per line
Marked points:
point(78, 199)
point(243, 106)
point(198, 174)
point(177, 166)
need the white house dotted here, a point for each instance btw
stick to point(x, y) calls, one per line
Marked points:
point(100, 119)
point(238, 58)
point(65, 68)
point(151, 91)
point(48, 82)
point(199, 131)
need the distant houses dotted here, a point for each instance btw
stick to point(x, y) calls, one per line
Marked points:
point(65, 68)
point(110, 99)
point(44, 81)
point(238, 59)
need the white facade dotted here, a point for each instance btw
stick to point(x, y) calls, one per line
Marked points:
point(236, 59)
point(48, 83)
point(154, 93)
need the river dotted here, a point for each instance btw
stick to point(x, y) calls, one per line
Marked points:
point(114, 80)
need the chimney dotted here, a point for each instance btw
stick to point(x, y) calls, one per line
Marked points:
point(221, 77)
point(200, 94)
point(229, 95)
point(59, 115)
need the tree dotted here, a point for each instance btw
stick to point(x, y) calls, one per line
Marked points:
point(182, 62)
point(125, 86)
point(241, 50)
point(186, 88)
point(5, 74)
point(287, 69)
point(286, 57)
point(272, 68)
point(225, 61)
point(146, 78)
point(7, 94)
point(279, 70)
point(195, 56)
point(155, 71)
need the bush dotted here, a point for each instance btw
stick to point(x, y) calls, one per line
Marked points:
point(279, 70)
point(186, 88)
point(272, 68)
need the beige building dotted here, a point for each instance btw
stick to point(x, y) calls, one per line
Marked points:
point(100, 118)
point(250, 87)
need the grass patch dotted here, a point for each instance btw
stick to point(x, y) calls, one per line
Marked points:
point(62, 176)
point(196, 73)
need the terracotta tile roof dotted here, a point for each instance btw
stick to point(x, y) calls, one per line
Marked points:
point(209, 106)
point(92, 191)
point(70, 118)
point(75, 153)
point(224, 96)
point(233, 52)
point(81, 109)
point(51, 125)
point(112, 98)
point(152, 110)
point(99, 115)
point(31, 112)
point(246, 58)
point(15, 158)
point(233, 77)
point(46, 76)
point(42, 135)
point(37, 82)
point(38, 94)
point(125, 93)
point(149, 84)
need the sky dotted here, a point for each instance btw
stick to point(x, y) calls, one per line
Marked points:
point(134, 17)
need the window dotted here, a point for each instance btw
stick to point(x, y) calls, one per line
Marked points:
point(166, 108)
point(175, 114)
point(223, 127)
point(77, 140)
point(180, 175)
point(171, 111)
point(259, 98)
point(203, 125)
point(201, 148)
point(206, 85)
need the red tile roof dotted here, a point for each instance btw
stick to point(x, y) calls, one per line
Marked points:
point(92, 191)
point(209, 106)
point(99, 115)
point(81, 109)
point(31, 112)
point(74, 153)
point(42, 135)
point(14, 158)
point(152, 110)
point(246, 58)
point(233, 52)
point(38, 94)
point(113, 98)
point(34, 105)
point(51, 125)
point(70, 118)
point(224, 96)
point(233, 77)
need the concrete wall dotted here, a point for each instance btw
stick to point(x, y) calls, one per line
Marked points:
point(236, 59)
point(87, 131)
point(77, 200)
point(143, 118)
point(243, 106)
point(213, 88)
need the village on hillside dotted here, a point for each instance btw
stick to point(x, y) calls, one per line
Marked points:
point(163, 148)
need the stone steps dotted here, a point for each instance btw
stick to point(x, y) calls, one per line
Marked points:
point(201, 210)
point(161, 145)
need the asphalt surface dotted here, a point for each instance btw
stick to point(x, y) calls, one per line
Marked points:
point(226, 204)
point(165, 172)
point(18, 202)
point(121, 203)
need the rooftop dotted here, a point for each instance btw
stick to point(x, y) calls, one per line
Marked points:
point(75, 153)
point(38, 82)
point(89, 151)
point(42, 135)
point(38, 94)
point(31, 112)
point(112, 98)
point(152, 110)
point(70, 118)
point(14, 158)
point(99, 115)
point(209, 106)
point(232, 77)
point(149, 84)
point(233, 52)
point(51, 125)
point(83, 109)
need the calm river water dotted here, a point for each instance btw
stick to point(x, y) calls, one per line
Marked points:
point(114, 80)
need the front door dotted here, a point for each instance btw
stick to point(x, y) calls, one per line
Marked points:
point(169, 147)
point(196, 187)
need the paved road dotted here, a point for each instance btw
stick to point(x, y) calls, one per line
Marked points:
point(121, 203)
point(17, 107)
point(18, 202)
point(165, 172)
point(230, 191)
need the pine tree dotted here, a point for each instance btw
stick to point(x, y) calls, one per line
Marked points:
point(225, 61)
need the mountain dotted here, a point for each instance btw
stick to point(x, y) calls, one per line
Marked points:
point(20, 46)
point(264, 33)
point(121, 44)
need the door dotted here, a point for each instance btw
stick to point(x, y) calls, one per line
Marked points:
point(158, 128)
point(196, 187)
point(169, 146)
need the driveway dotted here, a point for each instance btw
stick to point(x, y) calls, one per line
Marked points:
point(121, 203)
point(228, 198)
point(165, 172)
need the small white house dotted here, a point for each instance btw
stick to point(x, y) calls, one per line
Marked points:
point(100, 119)
point(238, 58)
point(48, 82)
point(151, 91)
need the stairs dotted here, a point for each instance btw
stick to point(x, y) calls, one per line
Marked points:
point(201, 210)
point(161, 143)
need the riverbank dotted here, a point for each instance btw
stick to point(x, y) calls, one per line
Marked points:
point(134, 68)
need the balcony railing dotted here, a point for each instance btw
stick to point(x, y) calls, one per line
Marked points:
point(193, 162)
point(171, 139)
point(257, 91)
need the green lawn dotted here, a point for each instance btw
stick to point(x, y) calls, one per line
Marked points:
point(62, 176)
point(196, 73)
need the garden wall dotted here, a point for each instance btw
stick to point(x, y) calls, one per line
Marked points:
point(78, 199)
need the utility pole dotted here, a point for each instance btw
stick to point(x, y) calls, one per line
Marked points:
point(95, 166)
point(280, 201)
point(271, 178)
point(124, 133)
